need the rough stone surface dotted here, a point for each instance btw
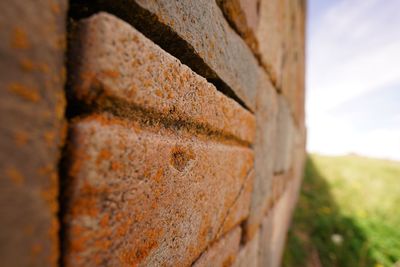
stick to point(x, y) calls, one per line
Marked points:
point(264, 149)
point(293, 68)
point(248, 254)
point(186, 139)
point(197, 33)
point(149, 195)
point(32, 109)
point(116, 67)
point(223, 252)
point(265, 241)
point(284, 137)
point(270, 37)
point(280, 184)
point(275, 226)
point(261, 23)
point(243, 16)
point(278, 40)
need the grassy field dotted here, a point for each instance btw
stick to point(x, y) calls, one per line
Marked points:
point(348, 214)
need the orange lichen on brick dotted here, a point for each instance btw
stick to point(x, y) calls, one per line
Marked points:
point(105, 220)
point(20, 39)
point(158, 176)
point(142, 247)
point(21, 137)
point(229, 261)
point(85, 206)
point(78, 243)
point(116, 166)
point(159, 93)
point(50, 194)
point(54, 238)
point(55, 8)
point(104, 155)
point(111, 74)
point(27, 64)
point(16, 177)
point(25, 92)
point(49, 137)
point(36, 249)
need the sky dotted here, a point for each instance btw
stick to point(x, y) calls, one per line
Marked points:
point(353, 77)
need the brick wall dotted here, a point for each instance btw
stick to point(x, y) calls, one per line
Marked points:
point(150, 133)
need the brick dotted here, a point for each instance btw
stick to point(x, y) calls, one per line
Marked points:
point(243, 16)
point(248, 254)
point(284, 137)
point(148, 195)
point(278, 41)
point(265, 240)
point(116, 67)
point(279, 184)
point(223, 252)
point(270, 38)
point(299, 157)
point(32, 110)
point(293, 72)
point(264, 149)
point(273, 231)
point(198, 34)
point(262, 24)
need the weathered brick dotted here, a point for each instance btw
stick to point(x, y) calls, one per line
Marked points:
point(265, 240)
point(115, 67)
point(248, 254)
point(149, 195)
point(284, 137)
point(198, 34)
point(32, 110)
point(243, 16)
point(279, 185)
point(270, 38)
point(223, 252)
point(264, 149)
point(273, 231)
point(293, 71)
point(262, 25)
point(278, 40)
point(299, 156)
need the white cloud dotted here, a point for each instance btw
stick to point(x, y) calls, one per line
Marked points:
point(353, 48)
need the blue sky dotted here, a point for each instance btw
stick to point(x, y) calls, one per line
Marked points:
point(353, 77)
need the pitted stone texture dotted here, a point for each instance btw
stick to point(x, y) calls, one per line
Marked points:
point(284, 137)
point(264, 149)
point(202, 24)
point(32, 109)
point(261, 23)
point(112, 62)
point(248, 254)
point(223, 252)
point(147, 196)
point(243, 16)
point(197, 33)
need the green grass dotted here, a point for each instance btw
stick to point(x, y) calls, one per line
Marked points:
point(350, 199)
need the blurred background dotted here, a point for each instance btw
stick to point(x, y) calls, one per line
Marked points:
point(349, 209)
